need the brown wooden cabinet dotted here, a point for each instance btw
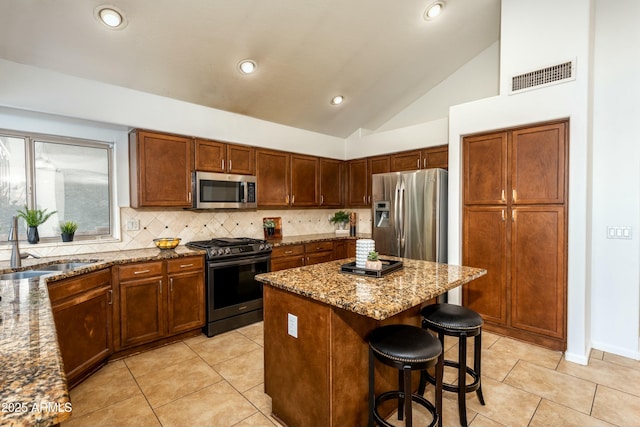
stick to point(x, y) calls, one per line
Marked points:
point(273, 173)
point(317, 252)
point(514, 226)
point(214, 156)
point(158, 300)
point(304, 181)
point(159, 169)
point(426, 158)
point(331, 182)
point(82, 311)
point(298, 255)
point(289, 256)
point(357, 179)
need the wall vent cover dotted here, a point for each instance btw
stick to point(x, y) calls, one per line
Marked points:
point(554, 74)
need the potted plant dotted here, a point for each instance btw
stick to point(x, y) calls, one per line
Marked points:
point(340, 218)
point(373, 263)
point(33, 218)
point(67, 230)
point(270, 226)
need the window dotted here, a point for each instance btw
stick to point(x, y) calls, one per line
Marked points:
point(69, 176)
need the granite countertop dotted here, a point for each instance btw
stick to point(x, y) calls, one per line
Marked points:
point(34, 388)
point(308, 238)
point(378, 298)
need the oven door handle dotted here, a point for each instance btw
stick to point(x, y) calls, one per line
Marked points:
point(238, 261)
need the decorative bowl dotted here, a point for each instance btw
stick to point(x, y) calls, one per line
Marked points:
point(167, 242)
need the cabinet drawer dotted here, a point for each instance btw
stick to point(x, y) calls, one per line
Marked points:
point(318, 247)
point(143, 269)
point(185, 264)
point(285, 251)
point(67, 288)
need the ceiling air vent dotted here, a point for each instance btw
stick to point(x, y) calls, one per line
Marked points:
point(548, 76)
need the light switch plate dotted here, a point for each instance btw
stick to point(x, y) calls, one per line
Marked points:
point(292, 325)
point(133, 224)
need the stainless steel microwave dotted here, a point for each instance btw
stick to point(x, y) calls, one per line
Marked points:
point(223, 191)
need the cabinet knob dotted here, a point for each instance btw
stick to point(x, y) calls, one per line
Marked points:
point(222, 161)
point(230, 165)
point(171, 284)
point(186, 265)
point(141, 271)
point(160, 285)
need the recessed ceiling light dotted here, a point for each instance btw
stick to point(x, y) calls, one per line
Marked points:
point(247, 66)
point(434, 10)
point(110, 16)
point(337, 100)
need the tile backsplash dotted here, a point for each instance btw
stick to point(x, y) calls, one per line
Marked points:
point(193, 225)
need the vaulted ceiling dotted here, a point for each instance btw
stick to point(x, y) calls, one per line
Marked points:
point(381, 55)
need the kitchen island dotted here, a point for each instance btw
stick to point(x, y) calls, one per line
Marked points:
point(316, 323)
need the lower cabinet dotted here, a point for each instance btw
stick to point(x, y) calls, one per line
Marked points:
point(159, 299)
point(82, 311)
point(290, 256)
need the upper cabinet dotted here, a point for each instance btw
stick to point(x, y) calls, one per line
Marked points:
point(426, 158)
point(357, 183)
point(331, 182)
point(304, 181)
point(160, 170)
point(273, 174)
point(214, 156)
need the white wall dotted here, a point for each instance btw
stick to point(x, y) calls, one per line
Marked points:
point(31, 88)
point(616, 177)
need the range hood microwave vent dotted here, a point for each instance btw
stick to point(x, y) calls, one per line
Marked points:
point(543, 77)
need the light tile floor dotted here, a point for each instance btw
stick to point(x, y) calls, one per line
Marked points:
point(219, 382)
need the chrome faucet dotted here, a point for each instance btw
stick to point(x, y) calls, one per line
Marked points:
point(16, 259)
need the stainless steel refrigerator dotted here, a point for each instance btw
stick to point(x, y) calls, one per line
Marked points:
point(410, 214)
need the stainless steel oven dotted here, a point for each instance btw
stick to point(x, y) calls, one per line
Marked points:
point(233, 296)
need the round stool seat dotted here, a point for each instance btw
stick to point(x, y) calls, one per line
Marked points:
point(406, 348)
point(451, 317)
point(404, 344)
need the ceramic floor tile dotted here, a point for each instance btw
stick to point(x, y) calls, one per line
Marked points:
point(195, 340)
point(611, 375)
point(133, 412)
point(259, 398)
point(616, 407)
point(550, 414)
point(482, 421)
point(218, 405)
point(255, 420)
point(556, 386)
point(243, 372)
point(532, 353)
point(224, 347)
point(111, 384)
point(497, 364)
point(596, 354)
point(510, 405)
point(174, 381)
point(254, 332)
point(619, 360)
point(151, 361)
point(450, 415)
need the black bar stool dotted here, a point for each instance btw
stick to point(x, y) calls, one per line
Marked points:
point(461, 322)
point(406, 348)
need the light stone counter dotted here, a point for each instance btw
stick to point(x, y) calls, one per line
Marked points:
point(378, 298)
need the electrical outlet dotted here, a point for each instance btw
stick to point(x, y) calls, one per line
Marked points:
point(133, 224)
point(292, 325)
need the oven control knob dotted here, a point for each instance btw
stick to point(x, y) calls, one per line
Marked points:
point(227, 251)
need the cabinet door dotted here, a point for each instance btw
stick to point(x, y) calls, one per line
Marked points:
point(538, 164)
point(273, 175)
point(405, 161)
point(83, 322)
point(210, 156)
point(186, 301)
point(330, 183)
point(241, 159)
point(538, 278)
point(142, 311)
point(357, 186)
point(339, 249)
point(485, 169)
point(304, 180)
point(437, 157)
point(160, 170)
point(484, 245)
point(378, 164)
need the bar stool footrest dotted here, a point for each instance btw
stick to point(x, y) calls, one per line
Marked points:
point(397, 394)
point(473, 386)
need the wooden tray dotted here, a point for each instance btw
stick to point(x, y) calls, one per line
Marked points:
point(388, 266)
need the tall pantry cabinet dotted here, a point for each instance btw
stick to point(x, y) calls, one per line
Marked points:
point(515, 226)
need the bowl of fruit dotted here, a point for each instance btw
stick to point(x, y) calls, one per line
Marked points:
point(167, 242)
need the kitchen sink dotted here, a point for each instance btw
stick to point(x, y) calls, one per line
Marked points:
point(62, 267)
point(18, 275)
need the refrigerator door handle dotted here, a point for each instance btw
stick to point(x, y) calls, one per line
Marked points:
point(396, 215)
point(401, 218)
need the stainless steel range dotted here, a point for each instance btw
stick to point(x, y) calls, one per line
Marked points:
point(233, 296)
